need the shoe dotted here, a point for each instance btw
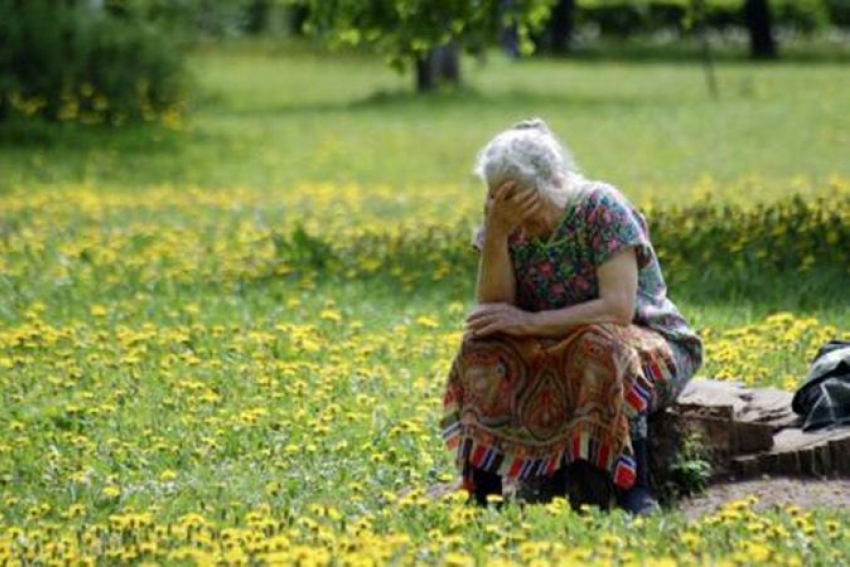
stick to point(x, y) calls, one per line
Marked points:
point(485, 484)
point(589, 485)
point(542, 489)
point(638, 500)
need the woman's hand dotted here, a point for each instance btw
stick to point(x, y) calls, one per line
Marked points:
point(509, 205)
point(491, 318)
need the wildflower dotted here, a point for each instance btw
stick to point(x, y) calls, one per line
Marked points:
point(168, 475)
point(98, 311)
point(427, 322)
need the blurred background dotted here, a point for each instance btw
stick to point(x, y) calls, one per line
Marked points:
point(658, 96)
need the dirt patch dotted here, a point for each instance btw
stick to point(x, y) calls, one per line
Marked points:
point(771, 493)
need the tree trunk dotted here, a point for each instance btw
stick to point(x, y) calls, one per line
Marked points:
point(440, 66)
point(698, 12)
point(424, 74)
point(298, 16)
point(508, 32)
point(758, 19)
point(447, 60)
point(258, 12)
point(561, 26)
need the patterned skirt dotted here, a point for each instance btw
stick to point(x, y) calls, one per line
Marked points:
point(526, 406)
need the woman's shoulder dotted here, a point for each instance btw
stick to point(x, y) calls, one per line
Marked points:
point(605, 209)
point(595, 193)
point(595, 199)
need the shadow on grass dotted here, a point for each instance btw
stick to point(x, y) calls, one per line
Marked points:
point(510, 99)
point(458, 98)
point(75, 137)
point(821, 289)
point(468, 97)
point(152, 139)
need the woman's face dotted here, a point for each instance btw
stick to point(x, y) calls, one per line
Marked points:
point(515, 188)
point(512, 189)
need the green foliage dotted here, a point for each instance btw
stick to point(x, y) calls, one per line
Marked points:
point(210, 18)
point(303, 249)
point(691, 472)
point(806, 15)
point(625, 17)
point(838, 12)
point(709, 250)
point(67, 61)
point(406, 30)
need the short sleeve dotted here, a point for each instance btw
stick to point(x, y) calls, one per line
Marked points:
point(613, 225)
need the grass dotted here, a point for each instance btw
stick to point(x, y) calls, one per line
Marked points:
point(228, 344)
point(263, 118)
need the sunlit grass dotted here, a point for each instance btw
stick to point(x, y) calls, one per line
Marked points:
point(227, 346)
point(219, 377)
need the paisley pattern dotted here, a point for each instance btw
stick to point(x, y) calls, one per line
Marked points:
point(544, 407)
point(525, 406)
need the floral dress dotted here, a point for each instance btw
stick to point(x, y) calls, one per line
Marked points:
point(525, 406)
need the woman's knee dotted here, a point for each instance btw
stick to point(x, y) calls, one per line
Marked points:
point(473, 348)
point(471, 341)
point(601, 338)
point(501, 343)
point(481, 359)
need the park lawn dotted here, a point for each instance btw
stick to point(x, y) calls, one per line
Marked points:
point(263, 116)
point(228, 343)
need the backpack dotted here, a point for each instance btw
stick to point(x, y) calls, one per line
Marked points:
point(824, 398)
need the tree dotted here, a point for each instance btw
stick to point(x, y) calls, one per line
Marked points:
point(696, 16)
point(561, 26)
point(88, 62)
point(759, 23)
point(257, 16)
point(297, 17)
point(424, 34)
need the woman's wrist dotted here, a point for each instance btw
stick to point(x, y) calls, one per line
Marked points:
point(531, 323)
point(495, 230)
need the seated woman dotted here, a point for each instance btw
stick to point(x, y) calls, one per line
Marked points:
point(573, 341)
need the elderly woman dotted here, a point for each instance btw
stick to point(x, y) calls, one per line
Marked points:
point(573, 341)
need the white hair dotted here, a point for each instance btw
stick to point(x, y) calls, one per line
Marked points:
point(530, 154)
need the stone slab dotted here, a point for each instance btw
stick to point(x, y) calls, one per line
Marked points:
point(731, 400)
point(798, 453)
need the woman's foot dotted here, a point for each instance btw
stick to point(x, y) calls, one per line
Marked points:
point(542, 489)
point(589, 485)
point(485, 484)
point(638, 500)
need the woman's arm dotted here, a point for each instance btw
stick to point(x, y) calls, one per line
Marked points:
point(506, 208)
point(618, 282)
point(496, 283)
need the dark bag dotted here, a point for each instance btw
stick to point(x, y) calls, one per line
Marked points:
point(824, 398)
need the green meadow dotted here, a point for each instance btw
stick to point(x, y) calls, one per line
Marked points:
point(268, 116)
point(224, 343)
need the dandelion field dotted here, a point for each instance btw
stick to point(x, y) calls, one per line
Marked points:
point(251, 373)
